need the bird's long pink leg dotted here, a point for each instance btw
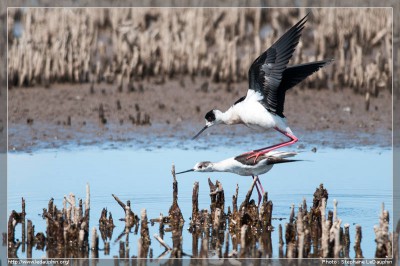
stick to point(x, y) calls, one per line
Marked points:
point(258, 190)
point(257, 153)
point(262, 189)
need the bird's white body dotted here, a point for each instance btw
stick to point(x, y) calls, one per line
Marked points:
point(253, 114)
point(232, 166)
point(249, 168)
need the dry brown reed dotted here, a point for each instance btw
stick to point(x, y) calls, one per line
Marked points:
point(123, 45)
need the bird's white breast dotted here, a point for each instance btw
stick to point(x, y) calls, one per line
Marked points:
point(254, 115)
point(233, 166)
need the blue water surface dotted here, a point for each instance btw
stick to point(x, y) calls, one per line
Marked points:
point(360, 179)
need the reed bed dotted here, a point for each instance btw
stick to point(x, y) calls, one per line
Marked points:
point(243, 231)
point(120, 46)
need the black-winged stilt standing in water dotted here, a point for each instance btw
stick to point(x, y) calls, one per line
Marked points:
point(240, 165)
point(269, 79)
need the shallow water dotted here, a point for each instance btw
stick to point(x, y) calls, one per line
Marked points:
point(360, 179)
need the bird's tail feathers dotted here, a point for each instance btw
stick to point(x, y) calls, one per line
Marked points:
point(293, 75)
point(281, 160)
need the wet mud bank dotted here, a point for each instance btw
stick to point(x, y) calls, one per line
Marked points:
point(98, 113)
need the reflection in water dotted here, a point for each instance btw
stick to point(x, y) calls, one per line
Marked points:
point(359, 179)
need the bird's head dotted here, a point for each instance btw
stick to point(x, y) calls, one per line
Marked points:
point(213, 117)
point(203, 167)
point(200, 167)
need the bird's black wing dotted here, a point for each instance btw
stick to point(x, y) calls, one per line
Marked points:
point(270, 159)
point(293, 75)
point(265, 74)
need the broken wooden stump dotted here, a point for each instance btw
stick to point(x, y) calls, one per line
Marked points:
point(176, 220)
point(174, 213)
point(13, 245)
point(233, 218)
point(357, 245)
point(40, 240)
point(248, 210)
point(177, 249)
point(94, 246)
point(31, 233)
point(55, 227)
point(300, 234)
point(290, 236)
point(162, 242)
point(265, 240)
point(325, 225)
point(281, 243)
point(204, 247)
point(346, 241)
point(23, 213)
point(266, 213)
point(244, 247)
point(314, 216)
point(144, 235)
point(382, 236)
point(217, 205)
point(130, 218)
point(121, 249)
point(194, 222)
point(106, 225)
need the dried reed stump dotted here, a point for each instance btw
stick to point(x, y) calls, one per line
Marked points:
point(102, 117)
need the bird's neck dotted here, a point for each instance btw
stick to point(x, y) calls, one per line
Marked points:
point(222, 166)
point(230, 117)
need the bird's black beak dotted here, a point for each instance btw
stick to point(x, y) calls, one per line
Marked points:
point(190, 170)
point(201, 131)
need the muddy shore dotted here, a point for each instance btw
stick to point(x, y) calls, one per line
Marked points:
point(68, 114)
